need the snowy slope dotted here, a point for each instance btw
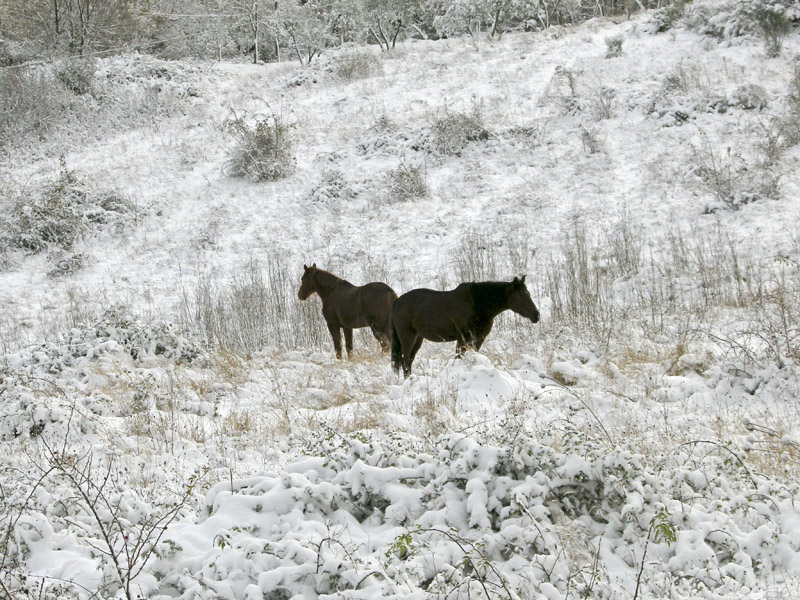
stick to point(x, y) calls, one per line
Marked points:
point(633, 449)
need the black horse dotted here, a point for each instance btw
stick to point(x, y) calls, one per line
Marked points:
point(464, 315)
point(346, 306)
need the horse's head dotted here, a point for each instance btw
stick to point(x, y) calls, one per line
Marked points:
point(519, 300)
point(307, 285)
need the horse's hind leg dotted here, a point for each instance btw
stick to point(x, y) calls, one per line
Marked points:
point(417, 344)
point(382, 337)
point(348, 341)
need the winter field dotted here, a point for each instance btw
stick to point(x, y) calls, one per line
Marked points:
point(173, 420)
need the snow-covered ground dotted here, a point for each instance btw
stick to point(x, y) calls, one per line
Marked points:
point(640, 441)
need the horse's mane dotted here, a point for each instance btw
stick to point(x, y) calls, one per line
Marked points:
point(488, 296)
point(327, 276)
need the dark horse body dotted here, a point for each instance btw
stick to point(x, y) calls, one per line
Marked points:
point(346, 306)
point(464, 315)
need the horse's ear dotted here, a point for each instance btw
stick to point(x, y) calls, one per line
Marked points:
point(516, 280)
point(522, 280)
point(314, 266)
point(305, 267)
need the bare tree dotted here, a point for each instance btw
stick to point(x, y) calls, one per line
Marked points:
point(254, 13)
point(79, 25)
point(308, 27)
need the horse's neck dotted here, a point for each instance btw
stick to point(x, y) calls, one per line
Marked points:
point(325, 282)
point(489, 299)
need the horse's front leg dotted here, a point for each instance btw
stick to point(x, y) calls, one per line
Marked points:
point(348, 341)
point(336, 334)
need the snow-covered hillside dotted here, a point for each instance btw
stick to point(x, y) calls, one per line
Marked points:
point(173, 421)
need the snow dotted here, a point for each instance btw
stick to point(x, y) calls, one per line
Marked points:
point(536, 468)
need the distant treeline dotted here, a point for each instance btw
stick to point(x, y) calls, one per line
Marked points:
point(267, 30)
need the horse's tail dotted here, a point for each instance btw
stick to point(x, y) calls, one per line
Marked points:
point(397, 350)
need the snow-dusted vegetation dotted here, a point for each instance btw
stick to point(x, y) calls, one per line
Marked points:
point(173, 420)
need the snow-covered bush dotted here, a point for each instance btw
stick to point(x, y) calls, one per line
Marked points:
point(384, 138)
point(614, 45)
point(772, 23)
point(354, 64)
point(66, 263)
point(173, 78)
point(34, 404)
point(50, 104)
point(264, 147)
point(667, 17)
point(750, 97)
point(406, 182)
point(726, 21)
point(332, 187)
point(16, 52)
point(590, 138)
point(689, 89)
point(474, 515)
point(68, 493)
point(452, 130)
point(77, 75)
point(63, 213)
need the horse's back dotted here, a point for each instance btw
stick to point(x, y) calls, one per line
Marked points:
point(424, 298)
point(376, 299)
point(378, 289)
point(435, 315)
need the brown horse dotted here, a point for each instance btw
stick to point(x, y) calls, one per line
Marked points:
point(464, 315)
point(347, 306)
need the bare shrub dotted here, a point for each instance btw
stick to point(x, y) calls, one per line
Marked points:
point(357, 63)
point(590, 139)
point(264, 149)
point(257, 309)
point(452, 130)
point(14, 53)
point(603, 103)
point(519, 249)
point(775, 314)
point(791, 120)
point(407, 182)
point(30, 104)
point(730, 178)
point(564, 89)
point(606, 282)
point(475, 257)
point(130, 529)
point(576, 285)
